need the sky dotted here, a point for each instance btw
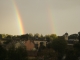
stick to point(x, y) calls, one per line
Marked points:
point(40, 16)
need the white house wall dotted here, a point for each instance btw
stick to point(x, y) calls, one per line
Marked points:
point(38, 42)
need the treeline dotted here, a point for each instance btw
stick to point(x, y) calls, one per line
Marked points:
point(13, 53)
point(28, 37)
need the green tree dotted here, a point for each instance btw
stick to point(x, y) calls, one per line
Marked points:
point(73, 36)
point(48, 39)
point(3, 36)
point(30, 36)
point(0, 36)
point(59, 46)
point(48, 54)
point(77, 49)
point(17, 54)
point(79, 36)
point(9, 37)
point(41, 37)
point(2, 53)
point(23, 37)
point(36, 36)
point(70, 54)
point(53, 36)
point(7, 41)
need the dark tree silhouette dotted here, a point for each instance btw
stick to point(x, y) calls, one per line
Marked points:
point(77, 49)
point(2, 53)
point(17, 54)
point(0, 36)
point(79, 36)
point(59, 46)
point(41, 47)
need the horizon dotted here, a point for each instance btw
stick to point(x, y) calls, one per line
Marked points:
point(39, 34)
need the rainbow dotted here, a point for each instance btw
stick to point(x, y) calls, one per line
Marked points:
point(19, 20)
point(50, 19)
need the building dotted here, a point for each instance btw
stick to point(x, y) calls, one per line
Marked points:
point(37, 42)
point(71, 39)
point(29, 45)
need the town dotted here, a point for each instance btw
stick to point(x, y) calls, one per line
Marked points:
point(39, 47)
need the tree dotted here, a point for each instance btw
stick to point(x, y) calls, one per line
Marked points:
point(2, 53)
point(48, 54)
point(36, 36)
point(53, 36)
point(21, 53)
point(0, 36)
point(48, 39)
point(41, 47)
point(17, 54)
point(79, 36)
point(30, 36)
point(25, 36)
point(77, 49)
point(59, 46)
point(9, 37)
point(73, 36)
point(3, 36)
point(70, 54)
point(7, 41)
point(41, 37)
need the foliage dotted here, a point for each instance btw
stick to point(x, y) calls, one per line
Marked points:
point(73, 36)
point(30, 36)
point(53, 36)
point(25, 36)
point(17, 54)
point(0, 36)
point(77, 49)
point(13, 54)
point(36, 36)
point(79, 36)
point(74, 52)
point(7, 41)
point(41, 47)
point(41, 37)
point(59, 46)
point(48, 45)
point(48, 54)
point(50, 37)
point(70, 54)
point(2, 53)
point(9, 37)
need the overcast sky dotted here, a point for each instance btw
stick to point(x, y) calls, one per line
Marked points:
point(40, 16)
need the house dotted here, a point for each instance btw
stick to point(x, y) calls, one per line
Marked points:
point(25, 43)
point(71, 39)
point(29, 45)
point(37, 42)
